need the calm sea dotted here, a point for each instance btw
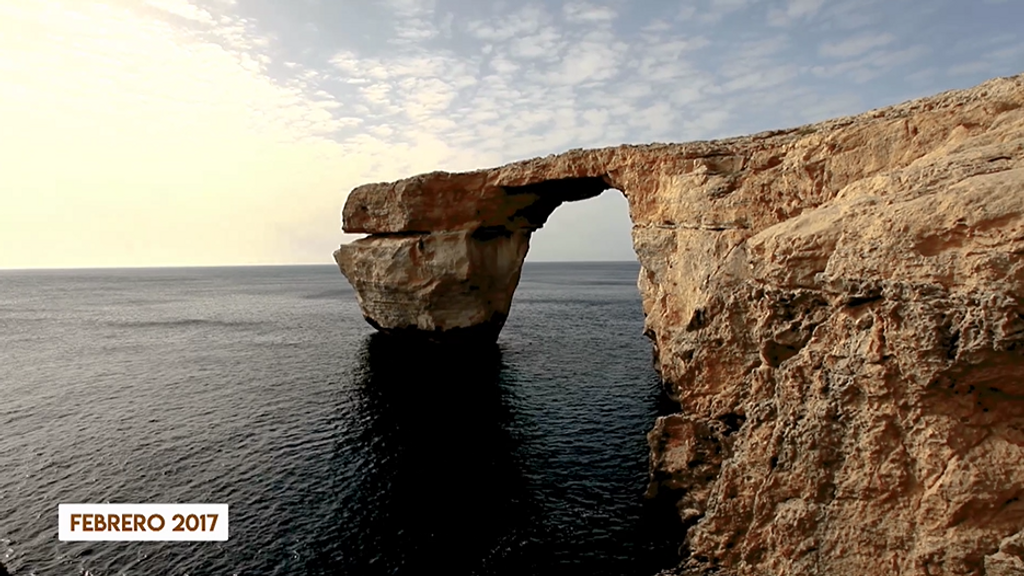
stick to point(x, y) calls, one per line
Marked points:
point(339, 451)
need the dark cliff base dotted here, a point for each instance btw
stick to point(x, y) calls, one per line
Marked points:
point(480, 335)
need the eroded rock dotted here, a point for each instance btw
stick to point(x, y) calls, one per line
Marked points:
point(838, 309)
point(1009, 560)
point(453, 283)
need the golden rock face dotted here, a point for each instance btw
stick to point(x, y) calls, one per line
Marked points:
point(838, 307)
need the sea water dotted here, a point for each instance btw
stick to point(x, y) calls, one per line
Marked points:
point(338, 450)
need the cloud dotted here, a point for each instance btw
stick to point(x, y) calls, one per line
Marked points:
point(753, 53)
point(587, 12)
point(855, 46)
point(873, 64)
point(657, 25)
point(594, 57)
point(803, 8)
point(411, 8)
point(1002, 56)
point(841, 15)
point(968, 68)
point(729, 5)
point(547, 43)
point(183, 9)
point(413, 21)
point(564, 82)
point(716, 10)
point(686, 12)
point(924, 75)
point(525, 21)
point(793, 11)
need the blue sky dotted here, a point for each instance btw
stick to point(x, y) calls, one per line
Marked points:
point(325, 95)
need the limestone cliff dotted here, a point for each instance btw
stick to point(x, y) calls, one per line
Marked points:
point(838, 309)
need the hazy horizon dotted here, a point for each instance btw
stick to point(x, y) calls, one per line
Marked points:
point(287, 265)
point(168, 133)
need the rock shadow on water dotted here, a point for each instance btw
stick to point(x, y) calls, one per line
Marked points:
point(442, 485)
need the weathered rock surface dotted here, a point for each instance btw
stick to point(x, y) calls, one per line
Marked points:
point(458, 283)
point(838, 309)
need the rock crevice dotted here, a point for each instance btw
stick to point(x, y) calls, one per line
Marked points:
point(838, 309)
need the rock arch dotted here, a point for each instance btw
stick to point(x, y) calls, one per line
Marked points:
point(838, 309)
point(448, 269)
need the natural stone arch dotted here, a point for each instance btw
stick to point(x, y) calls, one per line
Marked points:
point(453, 279)
point(837, 308)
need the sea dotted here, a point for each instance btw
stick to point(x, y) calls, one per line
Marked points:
point(337, 449)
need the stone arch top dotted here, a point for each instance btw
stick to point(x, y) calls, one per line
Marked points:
point(447, 202)
point(441, 202)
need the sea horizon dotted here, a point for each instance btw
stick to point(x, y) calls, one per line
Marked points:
point(291, 265)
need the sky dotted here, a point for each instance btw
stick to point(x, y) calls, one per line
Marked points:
point(223, 132)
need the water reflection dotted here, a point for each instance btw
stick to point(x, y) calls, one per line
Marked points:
point(441, 483)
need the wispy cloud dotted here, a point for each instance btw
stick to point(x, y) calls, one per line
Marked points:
point(183, 9)
point(587, 12)
point(855, 46)
point(873, 64)
point(793, 11)
point(414, 20)
point(719, 9)
point(1002, 53)
point(522, 22)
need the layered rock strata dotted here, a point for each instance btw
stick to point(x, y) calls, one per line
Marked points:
point(838, 309)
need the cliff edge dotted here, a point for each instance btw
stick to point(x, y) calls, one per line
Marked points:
point(837, 309)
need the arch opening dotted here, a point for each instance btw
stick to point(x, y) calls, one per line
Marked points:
point(596, 229)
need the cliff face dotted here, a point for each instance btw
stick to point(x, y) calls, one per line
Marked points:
point(837, 309)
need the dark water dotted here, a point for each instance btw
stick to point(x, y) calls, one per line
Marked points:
point(338, 451)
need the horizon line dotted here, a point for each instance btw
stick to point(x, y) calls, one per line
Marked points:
point(293, 265)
